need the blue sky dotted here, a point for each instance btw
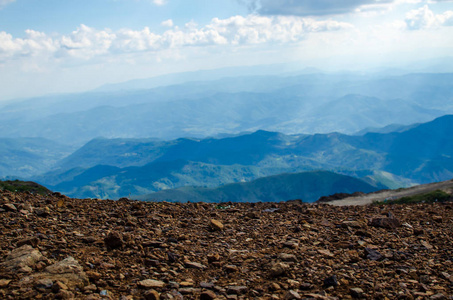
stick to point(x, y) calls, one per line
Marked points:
point(76, 45)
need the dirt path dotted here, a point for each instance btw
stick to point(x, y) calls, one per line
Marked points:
point(446, 186)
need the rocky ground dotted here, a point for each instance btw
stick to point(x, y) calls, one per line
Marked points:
point(53, 247)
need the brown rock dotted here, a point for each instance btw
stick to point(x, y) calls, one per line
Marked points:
point(389, 223)
point(230, 268)
point(278, 269)
point(216, 225)
point(356, 292)
point(113, 240)
point(94, 276)
point(326, 252)
point(292, 295)
point(22, 257)
point(331, 281)
point(353, 224)
point(151, 284)
point(151, 295)
point(9, 207)
point(236, 290)
point(58, 286)
point(43, 212)
point(373, 254)
point(33, 241)
point(64, 294)
point(208, 295)
point(438, 296)
point(287, 257)
point(4, 283)
point(194, 265)
point(68, 271)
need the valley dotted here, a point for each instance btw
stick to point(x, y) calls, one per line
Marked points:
point(379, 129)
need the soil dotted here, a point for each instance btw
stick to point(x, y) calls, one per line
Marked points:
point(54, 247)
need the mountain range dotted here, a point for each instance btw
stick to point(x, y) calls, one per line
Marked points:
point(207, 131)
point(114, 168)
point(291, 104)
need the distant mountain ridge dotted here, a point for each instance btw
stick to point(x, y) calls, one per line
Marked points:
point(24, 157)
point(307, 103)
point(124, 167)
point(306, 186)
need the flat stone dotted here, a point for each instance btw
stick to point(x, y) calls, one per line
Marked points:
point(194, 265)
point(186, 291)
point(216, 225)
point(292, 295)
point(353, 224)
point(68, 271)
point(22, 257)
point(151, 284)
point(287, 257)
point(207, 285)
point(326, 252)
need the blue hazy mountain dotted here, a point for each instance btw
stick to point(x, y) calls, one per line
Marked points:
point(24, 157)
point(121, 167)
point(301, 103)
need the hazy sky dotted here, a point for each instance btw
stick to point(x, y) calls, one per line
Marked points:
point(49, 46)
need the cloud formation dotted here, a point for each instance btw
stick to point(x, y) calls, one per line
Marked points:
point(160, 2)
point(87, 42)
point(167, 23)
point(424, 18)
point(309, 7)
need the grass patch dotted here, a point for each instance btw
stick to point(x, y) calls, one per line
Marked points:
point(24, 186)
point(431, 197)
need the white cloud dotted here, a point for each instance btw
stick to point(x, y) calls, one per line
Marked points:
point(86, 42)
point(167, 23)
point(3, 3)
point(35, 43)
point(160, 2)
point(424, 18)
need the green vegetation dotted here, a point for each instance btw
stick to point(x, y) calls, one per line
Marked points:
point(23, 186)
point(431, 197)
point(307, 186)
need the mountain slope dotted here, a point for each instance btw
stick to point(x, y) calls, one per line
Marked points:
point(381, 196)
point(112, 182)
point(308, 186)
point(121, 167)
point(24, 157)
